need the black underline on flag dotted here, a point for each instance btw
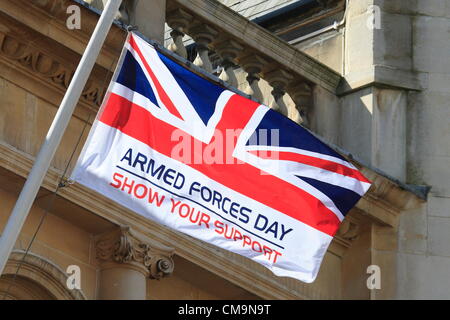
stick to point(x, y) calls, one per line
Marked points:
point(143, 178)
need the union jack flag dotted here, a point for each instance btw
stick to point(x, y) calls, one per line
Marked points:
point(266, 189)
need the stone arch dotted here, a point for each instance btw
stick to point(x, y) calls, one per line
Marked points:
point(38, 278)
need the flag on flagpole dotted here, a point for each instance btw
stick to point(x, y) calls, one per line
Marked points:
point(200, 159)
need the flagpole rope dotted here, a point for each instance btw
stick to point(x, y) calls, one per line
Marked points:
point(61, 184)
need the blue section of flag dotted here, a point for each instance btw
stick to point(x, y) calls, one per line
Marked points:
point(290, 135)
point(343, 199)
point(202, 93)
point(132, 77)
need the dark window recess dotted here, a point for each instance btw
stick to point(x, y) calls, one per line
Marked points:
point(302, 18)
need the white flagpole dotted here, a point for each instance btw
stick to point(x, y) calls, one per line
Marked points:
point(55, 133)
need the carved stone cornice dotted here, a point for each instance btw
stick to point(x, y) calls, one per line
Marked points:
point(49, 68)
point(388, 197)
point(122, 246)
point(348, 232)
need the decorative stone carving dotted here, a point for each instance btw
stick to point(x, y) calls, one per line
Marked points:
point(122, 246)
point(47, 67)
point(348, 230)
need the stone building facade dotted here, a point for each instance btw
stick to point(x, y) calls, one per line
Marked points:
point(370, 77)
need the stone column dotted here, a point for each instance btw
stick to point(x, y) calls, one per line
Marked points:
point(301, 94)
point(203, 35)
point(228, 51)
point(278, 79)
point(126, 261)
point(179, 21)
point(253, 65)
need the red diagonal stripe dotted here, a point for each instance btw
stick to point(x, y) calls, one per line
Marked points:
point(161, 92)
point(311, 161)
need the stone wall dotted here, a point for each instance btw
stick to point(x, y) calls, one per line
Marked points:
point(394, 114)
point(424, 259)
